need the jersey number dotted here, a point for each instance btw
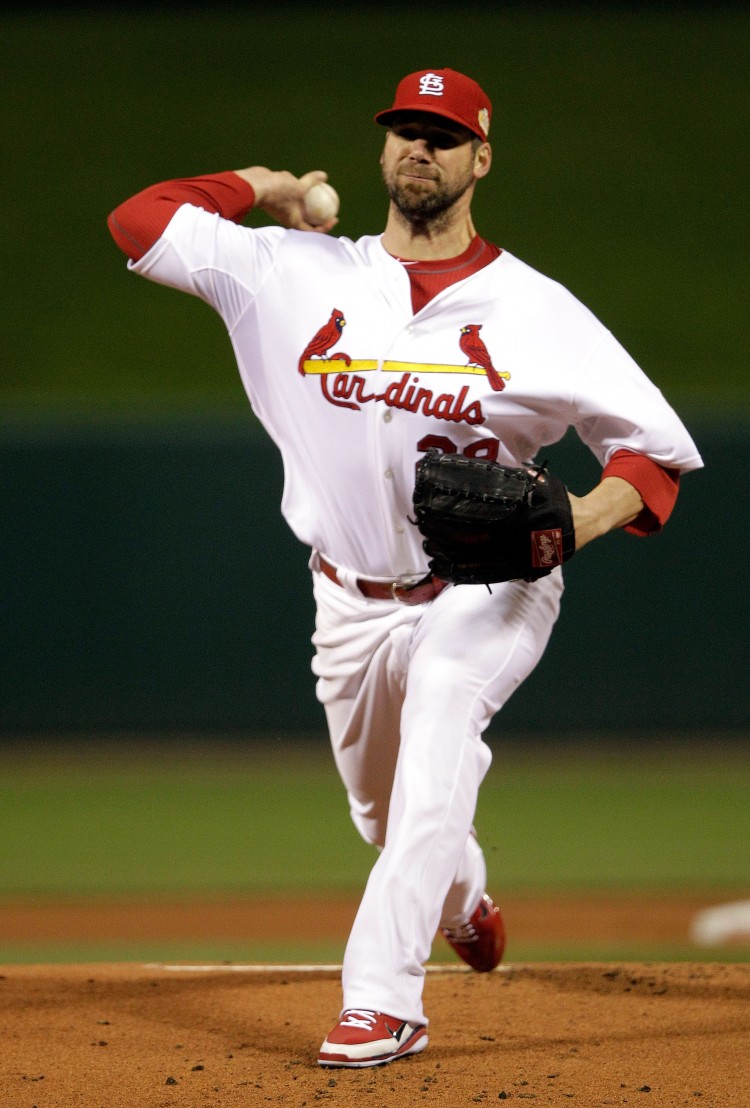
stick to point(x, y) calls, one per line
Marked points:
point(482, 448)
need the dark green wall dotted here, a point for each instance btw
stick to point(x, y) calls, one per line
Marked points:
point(149, 582)
point(148, 579)
point(621, 142)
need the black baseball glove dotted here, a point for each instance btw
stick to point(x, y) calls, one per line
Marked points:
point(484, 522)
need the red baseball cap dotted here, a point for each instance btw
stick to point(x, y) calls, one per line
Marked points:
point(442, 92)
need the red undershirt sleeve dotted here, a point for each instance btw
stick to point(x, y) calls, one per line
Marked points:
point(657, 486)
point(139, 222)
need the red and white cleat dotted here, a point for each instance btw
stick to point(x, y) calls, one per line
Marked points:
point(481, 940)
point(365, 1038)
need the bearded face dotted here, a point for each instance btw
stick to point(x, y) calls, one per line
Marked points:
point(428, 164)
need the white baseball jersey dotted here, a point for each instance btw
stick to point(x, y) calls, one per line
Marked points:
point(353, 386)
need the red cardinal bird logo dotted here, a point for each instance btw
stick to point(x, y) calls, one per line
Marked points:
point(478, 355)
point(328, 335)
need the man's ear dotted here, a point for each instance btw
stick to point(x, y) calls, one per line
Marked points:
point(482, 160)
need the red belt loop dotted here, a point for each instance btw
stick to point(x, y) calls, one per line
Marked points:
point(420, 593)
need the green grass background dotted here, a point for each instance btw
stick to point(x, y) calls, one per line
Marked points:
point(212, 819)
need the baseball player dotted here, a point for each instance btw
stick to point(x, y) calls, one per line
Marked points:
point(359, 357)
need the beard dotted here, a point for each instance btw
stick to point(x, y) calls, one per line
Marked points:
point(420, 206)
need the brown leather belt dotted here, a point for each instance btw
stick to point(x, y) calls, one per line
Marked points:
point(419, 593)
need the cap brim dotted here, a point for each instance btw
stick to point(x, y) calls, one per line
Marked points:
point(387, 117)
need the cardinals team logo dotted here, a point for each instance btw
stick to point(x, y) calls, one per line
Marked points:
point(409, 386)
point(328, 335)
point(478, 354)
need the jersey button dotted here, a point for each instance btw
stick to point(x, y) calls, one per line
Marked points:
point(389, 474)
point(388, 416)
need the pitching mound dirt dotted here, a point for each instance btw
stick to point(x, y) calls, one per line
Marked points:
point(125, 1036)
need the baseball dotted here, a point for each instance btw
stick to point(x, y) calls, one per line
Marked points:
point(321, 203)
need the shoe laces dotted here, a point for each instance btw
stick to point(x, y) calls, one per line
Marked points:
point(359, 1017)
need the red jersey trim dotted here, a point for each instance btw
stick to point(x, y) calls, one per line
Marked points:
point(428, 278)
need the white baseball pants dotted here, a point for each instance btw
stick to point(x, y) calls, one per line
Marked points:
point(408, 692)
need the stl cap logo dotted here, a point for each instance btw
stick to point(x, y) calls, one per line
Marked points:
point(431, 85)
point(484, 120)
